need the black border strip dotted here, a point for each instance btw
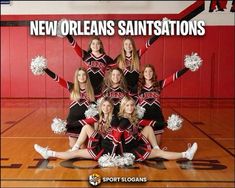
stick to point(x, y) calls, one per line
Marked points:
point(205, 133)
point(194, 13)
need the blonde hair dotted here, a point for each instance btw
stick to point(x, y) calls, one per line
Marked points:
point(101, 50)
point(133, 118)
point(108, 81)
point(101, 115)
point(76, 93)
point(135, 61)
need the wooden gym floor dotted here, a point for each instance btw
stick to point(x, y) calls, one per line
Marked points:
point(210, 123)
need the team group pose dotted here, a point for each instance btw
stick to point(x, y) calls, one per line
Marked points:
point(118, 88)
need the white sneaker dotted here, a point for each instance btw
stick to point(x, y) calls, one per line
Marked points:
point(42, 151)
point(191, 151)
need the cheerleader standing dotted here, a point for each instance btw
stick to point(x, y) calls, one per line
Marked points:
point(81, 95)
point(149, 95)
point(96, 60)
point(115, 87)
point(129, 61)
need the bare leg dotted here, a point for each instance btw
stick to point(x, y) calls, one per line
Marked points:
point(46, 153)
point(72, 141)
point(158, 138)
point(83, 153)
point(188, 154)
point(86, 131)
point(165, 154)
point(149, 134)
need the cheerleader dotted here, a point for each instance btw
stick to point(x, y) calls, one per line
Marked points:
point(115, 87)
point(100, 137)
point(96, 60)
point(138, 143)
point(81, 94)
point(150, 89)
point(129, 61)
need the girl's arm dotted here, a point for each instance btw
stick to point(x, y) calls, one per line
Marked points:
point(170, 79)
point(76, 47)
point(148, 43)
point(61, 81)
point(81, 123)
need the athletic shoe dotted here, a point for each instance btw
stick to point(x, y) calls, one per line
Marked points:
point(191, 151)
point(42, 151)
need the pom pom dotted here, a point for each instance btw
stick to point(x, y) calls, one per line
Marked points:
point(38, 64)
point(91, 111)
point(165, 19)
point(192, 62)
point(174, 122)
point(107, 160)
point(59, 28)
point(98, 102)
point(140, 111)
point(58, 126)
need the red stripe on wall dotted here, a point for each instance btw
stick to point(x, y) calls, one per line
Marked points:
point(5, 62)
point(36, 46)
point(19, 61)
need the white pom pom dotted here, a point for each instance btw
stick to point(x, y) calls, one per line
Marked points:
point(91, 111)
point(38, 64)
point(107, 160)
point(174, 122)
point(58, 126)
point(165, 19)
point(98, 102)
point(61, 24)
point(192, 62)
point(140, 111)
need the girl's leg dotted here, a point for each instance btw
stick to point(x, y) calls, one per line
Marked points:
point(149, 134)
point(158, 138)
point(46, 153)
point(188, 154)
point(165, 154)
point(83, 153)
point(72, 141)
point(86, 131)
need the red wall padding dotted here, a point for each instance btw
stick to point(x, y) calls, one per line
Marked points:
point(215, 79)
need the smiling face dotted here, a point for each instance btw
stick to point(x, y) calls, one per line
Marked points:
point(115, 76)
point(128, 46)
point(148, 73)
point(95, 45)
point(106, 107)
point(81, 76)
point(129, 107)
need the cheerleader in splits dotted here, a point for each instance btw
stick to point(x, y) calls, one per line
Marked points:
point(96, 60)
point(81, 94)
point(100, 137)
point(138, 143)
point(149, 95)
